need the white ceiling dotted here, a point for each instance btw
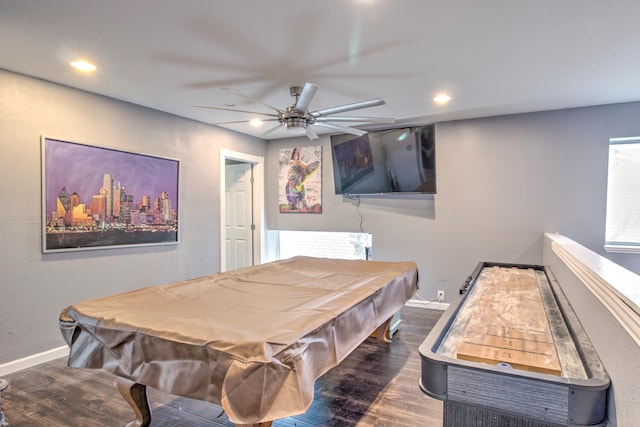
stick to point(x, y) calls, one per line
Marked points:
point(492, 56)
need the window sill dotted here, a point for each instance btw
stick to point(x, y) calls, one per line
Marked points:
point(622, 249)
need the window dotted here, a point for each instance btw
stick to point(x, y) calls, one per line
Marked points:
point(622, 232)
point(324, 244)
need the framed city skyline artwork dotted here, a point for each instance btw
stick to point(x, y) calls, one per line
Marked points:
point(97, 198)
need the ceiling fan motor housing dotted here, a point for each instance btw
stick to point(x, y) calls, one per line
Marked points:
point(296, 121)
point(295, 124)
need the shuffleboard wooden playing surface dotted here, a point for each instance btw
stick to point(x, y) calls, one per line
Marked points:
point(508, 323)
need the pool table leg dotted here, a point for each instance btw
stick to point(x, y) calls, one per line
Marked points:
point(136, 396)
point(383, 333)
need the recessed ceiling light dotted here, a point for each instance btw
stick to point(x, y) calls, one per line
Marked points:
point(82, 65)
point(256, 123)
point(442, 98)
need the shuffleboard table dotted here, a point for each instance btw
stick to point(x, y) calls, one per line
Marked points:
point(252, 340)
point(511, 351)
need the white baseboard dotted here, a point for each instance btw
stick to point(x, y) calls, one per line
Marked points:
point(33, 360)
point(427, 304)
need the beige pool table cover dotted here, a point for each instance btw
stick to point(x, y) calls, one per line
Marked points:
point(252, 340)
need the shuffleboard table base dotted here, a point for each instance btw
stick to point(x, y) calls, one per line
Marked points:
point(458, 414)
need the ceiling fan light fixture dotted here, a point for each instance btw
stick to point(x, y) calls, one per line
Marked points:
point(295, 125)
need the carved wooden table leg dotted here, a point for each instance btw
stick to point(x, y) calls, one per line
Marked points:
point(262, 424)
point(383, 333)
point(136, 396)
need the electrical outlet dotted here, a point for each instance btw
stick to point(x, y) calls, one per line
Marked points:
point(440, 295)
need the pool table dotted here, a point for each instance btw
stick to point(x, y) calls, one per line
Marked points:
point(252, 340)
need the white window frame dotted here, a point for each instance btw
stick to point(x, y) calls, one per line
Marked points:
point(326, 244)
point(620, 207)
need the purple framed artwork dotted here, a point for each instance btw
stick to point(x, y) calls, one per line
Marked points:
point(300, 180)
point(97, 198)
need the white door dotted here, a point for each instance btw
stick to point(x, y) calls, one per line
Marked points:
point(238, 215)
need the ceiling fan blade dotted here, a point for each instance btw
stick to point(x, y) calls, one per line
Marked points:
point(273, 129)
point(347, 107)
point(356, 119)
point(311, 134)
point(226, 89)
point(307, 94)
point(236, 111)
point(345, 129)
point(242, 121)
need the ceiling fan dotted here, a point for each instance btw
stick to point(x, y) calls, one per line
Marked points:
point(297, 119)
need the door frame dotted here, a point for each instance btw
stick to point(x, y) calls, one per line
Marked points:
point(257, 202)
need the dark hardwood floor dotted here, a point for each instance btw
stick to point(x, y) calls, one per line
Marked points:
point(374, 386)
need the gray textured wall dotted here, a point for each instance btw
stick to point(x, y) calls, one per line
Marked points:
point(502, 182)
point(34, 287)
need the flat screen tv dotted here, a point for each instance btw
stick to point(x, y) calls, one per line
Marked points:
point(389, 161)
